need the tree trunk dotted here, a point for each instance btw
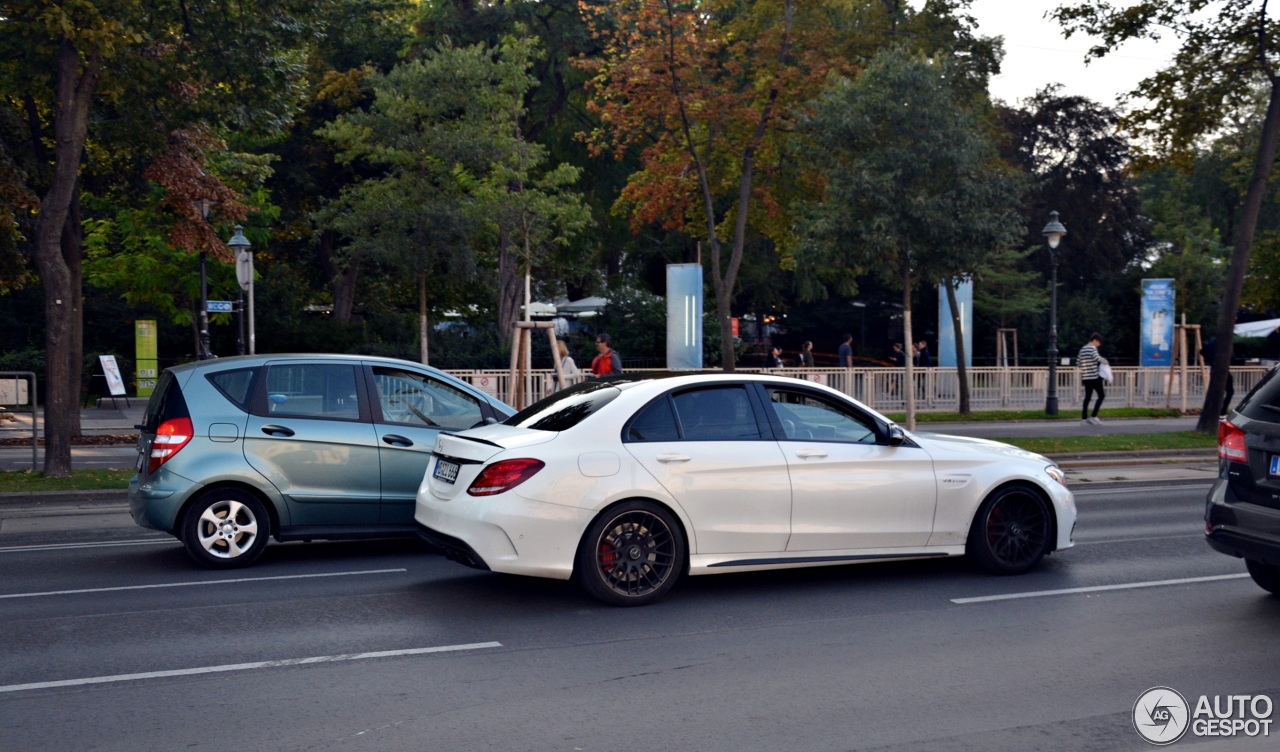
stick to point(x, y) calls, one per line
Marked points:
point(510, 289)
point(422, 315)
point(75, 89)
point(1244, 233)
point(342, 280)
point(957, 326)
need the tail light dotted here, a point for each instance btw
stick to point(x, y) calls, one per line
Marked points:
point(503, 476)
point(1231, 442)
point(171, 436)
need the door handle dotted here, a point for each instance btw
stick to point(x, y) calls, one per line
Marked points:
point(397, 440)
point(806, 454)
point(670, 457)
point(274, 430)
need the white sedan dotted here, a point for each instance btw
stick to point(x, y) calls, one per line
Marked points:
point(627, 484)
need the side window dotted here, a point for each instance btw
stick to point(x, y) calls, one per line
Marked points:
point(722, 413)
point(416, 399)
point(313, 390)
point(807, 418)
point(236, 385)
point(655, 423)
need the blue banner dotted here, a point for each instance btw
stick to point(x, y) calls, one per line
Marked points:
point(947, 332)
point(684, 316)
point(1157, 322)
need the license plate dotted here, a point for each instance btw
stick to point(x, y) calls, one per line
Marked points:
point(1275, 464)
point(445, 471)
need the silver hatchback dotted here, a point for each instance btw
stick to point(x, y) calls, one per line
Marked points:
point(234, 451)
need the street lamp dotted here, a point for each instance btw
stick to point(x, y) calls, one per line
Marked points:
point(239, 246)
point(1053, 233)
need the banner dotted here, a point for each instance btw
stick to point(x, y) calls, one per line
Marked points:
point(115, 383)
point(146, 355)
point(684, 316)
point(1157, 322)
point(947, 332)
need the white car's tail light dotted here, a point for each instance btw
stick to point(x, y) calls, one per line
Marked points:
point(171, 436)
point(504, 476)
point(1231, 442)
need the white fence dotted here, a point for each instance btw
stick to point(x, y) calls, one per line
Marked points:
point(939, 388)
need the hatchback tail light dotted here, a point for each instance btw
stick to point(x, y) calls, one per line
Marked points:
point(503, 476)
point(171, 437)
point(1231, 442)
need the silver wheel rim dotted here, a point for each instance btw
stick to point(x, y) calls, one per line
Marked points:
point(227, 529)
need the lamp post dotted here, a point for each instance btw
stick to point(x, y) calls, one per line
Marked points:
point(240, 245)
point(1053, 233)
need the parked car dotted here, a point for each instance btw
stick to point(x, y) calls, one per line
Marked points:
point(628, 484)
point(1242, 514)
point(234, 451)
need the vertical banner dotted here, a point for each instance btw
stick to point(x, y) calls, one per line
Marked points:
point(1157, 322)
point(947, 332)
point(146, 356)
point(684, 316)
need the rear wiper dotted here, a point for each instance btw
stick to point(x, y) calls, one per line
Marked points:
point(1272, 408)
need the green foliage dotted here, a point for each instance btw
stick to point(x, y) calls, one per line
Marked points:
point(1004, 290)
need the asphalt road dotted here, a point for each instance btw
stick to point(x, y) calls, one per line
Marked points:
point(113, 641)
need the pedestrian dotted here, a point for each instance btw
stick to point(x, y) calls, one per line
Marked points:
point(923, 358)
point(845, 353)
point(567, 367)
point(899, 359)
point(607, 362)
point(806, 354)
point(1089, 361)
point(1207, 354)
point(776, 358)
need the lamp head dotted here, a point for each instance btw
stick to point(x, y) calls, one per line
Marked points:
point(1054, 231)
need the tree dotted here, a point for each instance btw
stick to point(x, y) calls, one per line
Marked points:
point(1227, 47)
point(914, 191)
point(135, 74)
point(706, 93)
point(445, 130)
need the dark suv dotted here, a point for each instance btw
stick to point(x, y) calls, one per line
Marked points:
point(1242, 516)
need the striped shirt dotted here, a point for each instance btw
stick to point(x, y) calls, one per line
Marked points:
point(1088, 360)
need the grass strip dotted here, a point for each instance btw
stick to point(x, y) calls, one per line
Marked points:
point(1116, 442)
point(24, 481)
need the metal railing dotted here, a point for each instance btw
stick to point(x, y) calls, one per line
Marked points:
point(938, 389)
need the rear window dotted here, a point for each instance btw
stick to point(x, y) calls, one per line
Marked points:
point(166, 403)
point(564, 410)
point(1263, 401)
point(236, 385)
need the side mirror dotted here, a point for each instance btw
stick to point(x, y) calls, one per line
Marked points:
point(896, 435)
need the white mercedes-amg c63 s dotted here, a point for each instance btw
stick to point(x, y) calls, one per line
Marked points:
point(627, 484)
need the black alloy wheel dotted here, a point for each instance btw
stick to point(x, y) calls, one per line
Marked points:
point(1010, 533)
point(631, 555)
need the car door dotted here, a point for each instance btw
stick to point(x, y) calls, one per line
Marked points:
point(709, 449)
point(310, 434)
point(411, 408)
point(849, 488)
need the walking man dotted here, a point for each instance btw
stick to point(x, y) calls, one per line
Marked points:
point(1089, 359)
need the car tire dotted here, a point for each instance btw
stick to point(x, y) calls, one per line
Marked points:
point(1011, 532)
point(1266, 575)
point(226, 528)
point(631, 555)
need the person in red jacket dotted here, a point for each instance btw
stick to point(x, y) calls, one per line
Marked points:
point(607, 362)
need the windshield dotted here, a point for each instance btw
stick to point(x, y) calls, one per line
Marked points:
point(564, 410)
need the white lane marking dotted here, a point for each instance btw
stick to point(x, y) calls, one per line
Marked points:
point(245, 666)
point(1097, 588)
point(89, 544)
point(204, 582)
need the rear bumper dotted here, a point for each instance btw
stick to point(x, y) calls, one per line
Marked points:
point(454, 549)
point(1241, 529)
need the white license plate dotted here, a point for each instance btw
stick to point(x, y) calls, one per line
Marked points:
point(446, 471)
